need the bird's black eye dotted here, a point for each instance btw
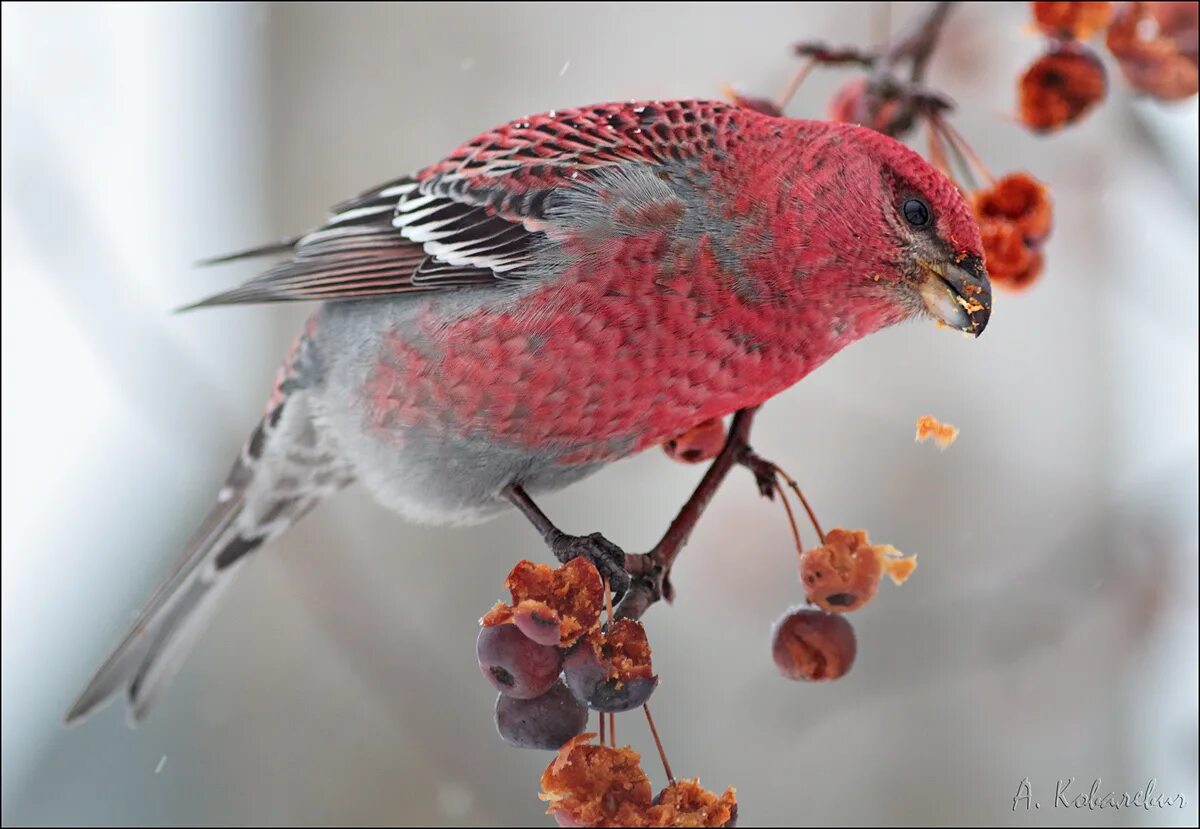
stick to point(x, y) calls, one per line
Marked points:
point(916, 212)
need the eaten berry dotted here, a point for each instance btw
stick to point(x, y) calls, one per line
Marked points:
point(611, 671)
point(1156, 47)
point(687, 803)
point(1060, 87)
point(516, 665)
point(843, 573)
point(594, 785)
point(552, 605)
point(702, 442)
point(813, 645)
point(849, 106)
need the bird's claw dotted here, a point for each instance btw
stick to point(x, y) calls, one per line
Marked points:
point(608, 557)
point(763, 470)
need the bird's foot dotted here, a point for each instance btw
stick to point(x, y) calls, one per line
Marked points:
point(608, 557)
point(764, 471)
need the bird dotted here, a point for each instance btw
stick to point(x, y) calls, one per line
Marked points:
point(561, 292)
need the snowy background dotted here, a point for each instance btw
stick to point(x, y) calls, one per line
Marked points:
point(1051, 631)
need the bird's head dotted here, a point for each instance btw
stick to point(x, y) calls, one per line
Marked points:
point(908, 238)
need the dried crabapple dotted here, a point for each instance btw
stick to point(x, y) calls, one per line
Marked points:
point(813, 645)
point(1015, 216)
point(515, 664)
point(1018, 198)
point(1060, 87)
point(943, 434)
point(1071, 20)
point(545, 722)
point(702, 442)
point(847, 104)
point(843, 574)
point(595, 785)
point(687, 803)
point(545, 600)
point(1155, 45)
point(1011, 263)
point(610, 671)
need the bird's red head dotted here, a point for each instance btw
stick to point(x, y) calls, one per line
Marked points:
point(864, 218)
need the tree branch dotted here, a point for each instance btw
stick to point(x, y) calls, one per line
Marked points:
point(891, 103)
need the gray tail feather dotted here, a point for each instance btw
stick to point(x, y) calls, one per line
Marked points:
point(153, 649)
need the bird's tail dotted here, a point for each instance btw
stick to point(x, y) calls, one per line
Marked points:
point(286, 467)
point(153, 649)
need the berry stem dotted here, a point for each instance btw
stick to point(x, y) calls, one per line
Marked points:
point(881, 23)
point(795, 487)
point(957, 141)
point(612, 718)
point(662, 755)
point(937, 148)
point(791, 517)
point(794, 82)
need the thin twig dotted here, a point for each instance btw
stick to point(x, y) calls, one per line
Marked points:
point(662, 755)
point(794, 82)
point(791, 517)
point(795, 487)
point(957, 139)
point(612, 718)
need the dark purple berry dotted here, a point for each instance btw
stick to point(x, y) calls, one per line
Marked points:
point(612, 673)
point(545, 722)
point(516, 665)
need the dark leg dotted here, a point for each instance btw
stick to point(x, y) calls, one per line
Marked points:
point(652, 571)
point(608, 557)
point(762, 469)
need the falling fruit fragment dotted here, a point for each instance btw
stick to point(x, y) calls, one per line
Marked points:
point(943, 434)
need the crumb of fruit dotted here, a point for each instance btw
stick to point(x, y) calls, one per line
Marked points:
point(943, 434)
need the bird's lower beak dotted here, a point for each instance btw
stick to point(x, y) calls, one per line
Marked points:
point(958, 293)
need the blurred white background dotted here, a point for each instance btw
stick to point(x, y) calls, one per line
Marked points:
point(1051, 631)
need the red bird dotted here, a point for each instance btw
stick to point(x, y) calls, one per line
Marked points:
point(558, 293)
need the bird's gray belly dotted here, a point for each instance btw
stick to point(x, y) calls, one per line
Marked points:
point(437, 477)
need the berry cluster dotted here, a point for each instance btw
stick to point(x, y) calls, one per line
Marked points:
point(1154, 45)
point(839, 575)
point(553, 661)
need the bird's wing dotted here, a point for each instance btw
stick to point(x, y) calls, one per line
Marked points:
point(476, 217)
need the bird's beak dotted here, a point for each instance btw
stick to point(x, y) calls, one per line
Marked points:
point(957, 293)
